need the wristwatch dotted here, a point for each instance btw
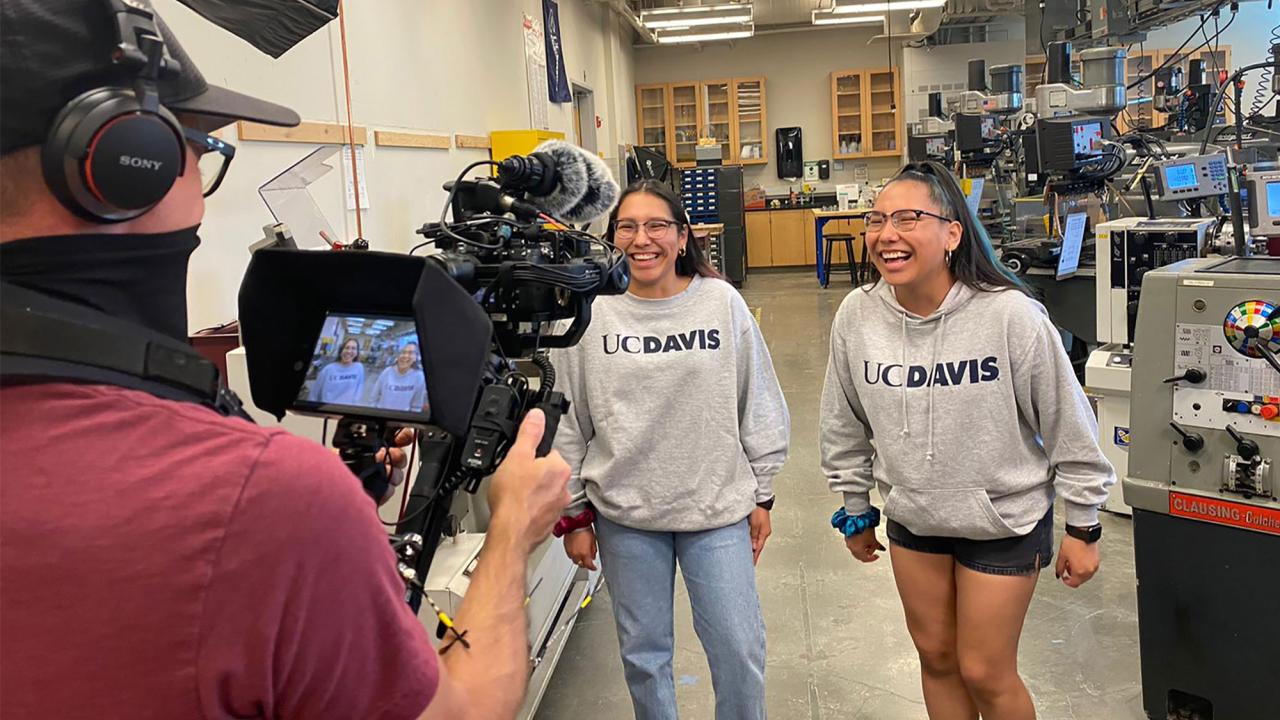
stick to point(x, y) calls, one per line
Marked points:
point(767, 504)
point(1090, 535)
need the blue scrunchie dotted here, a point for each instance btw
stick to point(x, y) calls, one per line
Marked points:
point(850, 525)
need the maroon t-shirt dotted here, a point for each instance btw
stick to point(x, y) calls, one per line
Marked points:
point(160, 561)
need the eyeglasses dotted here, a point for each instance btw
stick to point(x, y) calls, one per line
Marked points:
point(627, 229)
point(214, 158)
point(904, 220)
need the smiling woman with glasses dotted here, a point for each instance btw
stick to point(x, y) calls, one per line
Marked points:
point(213, 156)
point(978, 423)
point(675, 430)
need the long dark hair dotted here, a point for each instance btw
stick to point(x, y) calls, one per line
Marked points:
point(974, 261)
point(694, 260)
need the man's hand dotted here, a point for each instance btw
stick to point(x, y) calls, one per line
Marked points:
point(864, 545)
point(580, 546)
point(761, 529)
point(395, 467)
point(1077, 561)
point(528, 492)
point(488, 679)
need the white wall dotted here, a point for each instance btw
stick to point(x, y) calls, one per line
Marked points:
point(427, 65)
point(796, 67)
point(1250, 38)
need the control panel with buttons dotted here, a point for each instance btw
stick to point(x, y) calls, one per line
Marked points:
point(1198, 407)
point(1191, 177)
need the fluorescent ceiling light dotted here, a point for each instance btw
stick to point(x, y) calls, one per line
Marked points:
point(670, 38)
point(888, 5)
point(697, 15)
point(825, 17)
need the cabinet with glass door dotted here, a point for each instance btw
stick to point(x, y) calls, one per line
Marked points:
point(865, 113)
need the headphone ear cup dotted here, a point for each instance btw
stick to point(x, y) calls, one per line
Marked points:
point(108, 160)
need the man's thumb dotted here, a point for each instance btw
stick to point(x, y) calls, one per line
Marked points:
point(530, 434)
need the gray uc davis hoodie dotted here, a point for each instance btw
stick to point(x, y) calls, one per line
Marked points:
point(677, 421)
point(968, 418)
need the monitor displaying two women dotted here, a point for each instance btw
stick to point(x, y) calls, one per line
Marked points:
point(363, 363)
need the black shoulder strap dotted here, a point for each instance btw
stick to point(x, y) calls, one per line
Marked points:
point(45, 339)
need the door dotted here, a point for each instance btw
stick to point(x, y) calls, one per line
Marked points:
point(759, 240)
point(788, 237)
point(881, 116)
point(717, 116)
point(652, 103)
point(684, 123)
point(584, 118)
point(846, 114)
point(749, 113)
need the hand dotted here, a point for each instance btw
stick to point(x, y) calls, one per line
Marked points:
point(864, 545)
point(1077, 561)
point(528, 492)
point(580, 546)
point(395, 467)
point(761, 529)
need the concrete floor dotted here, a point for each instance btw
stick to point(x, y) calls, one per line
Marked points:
point(838, 644)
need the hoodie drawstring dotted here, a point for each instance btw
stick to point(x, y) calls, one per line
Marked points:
point(906, 428)
point(933, 368)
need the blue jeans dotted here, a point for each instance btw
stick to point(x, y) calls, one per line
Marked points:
point(640, 567)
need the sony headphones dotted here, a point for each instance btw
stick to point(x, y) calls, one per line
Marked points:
point(114, 152)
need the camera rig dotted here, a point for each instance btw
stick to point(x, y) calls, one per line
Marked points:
point(508, 282)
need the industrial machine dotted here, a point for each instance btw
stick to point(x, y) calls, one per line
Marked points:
point(1101, 90)
point(1264, 203)
point(1003, 97)
point(934, 136)
point(1202, 483)
point(1128, 250)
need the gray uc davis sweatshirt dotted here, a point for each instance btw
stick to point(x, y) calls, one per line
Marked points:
point(677, 421)
point(968, 419)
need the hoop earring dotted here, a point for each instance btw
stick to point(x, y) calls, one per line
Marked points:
point(683, 250)
point(948, 258)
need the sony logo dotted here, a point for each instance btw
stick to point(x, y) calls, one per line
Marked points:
point(140, 162)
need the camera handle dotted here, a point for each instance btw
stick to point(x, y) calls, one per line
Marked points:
point(358, 442)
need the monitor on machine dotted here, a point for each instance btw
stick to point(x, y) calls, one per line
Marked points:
point(1087, 138)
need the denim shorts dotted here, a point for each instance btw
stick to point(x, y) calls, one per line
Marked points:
point(1022, 555)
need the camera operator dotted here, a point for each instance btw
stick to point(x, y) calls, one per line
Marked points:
point(162, 559)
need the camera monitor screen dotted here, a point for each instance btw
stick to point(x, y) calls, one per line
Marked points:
point(1180, 177)
point(368, 366)
point(1087, 138)
point(1273, 199)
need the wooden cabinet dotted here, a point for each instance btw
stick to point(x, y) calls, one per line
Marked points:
point(671, 117)
point(759, 240)
point(787, 236)
point(1033, 72)
point(751, 126)
point(653, 106)
point(685, 124)
point(717, 114)
point(866, 118)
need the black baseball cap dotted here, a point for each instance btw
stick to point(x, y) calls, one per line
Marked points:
point(53, 50)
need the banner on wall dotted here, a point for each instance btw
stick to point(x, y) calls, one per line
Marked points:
point(536, 70)
point(557, 79)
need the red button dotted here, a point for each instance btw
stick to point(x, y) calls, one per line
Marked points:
point(1269, 412)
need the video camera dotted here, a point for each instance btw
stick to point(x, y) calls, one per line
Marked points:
point(383, 341)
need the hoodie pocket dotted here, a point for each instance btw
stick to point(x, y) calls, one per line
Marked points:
point(954, 512)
